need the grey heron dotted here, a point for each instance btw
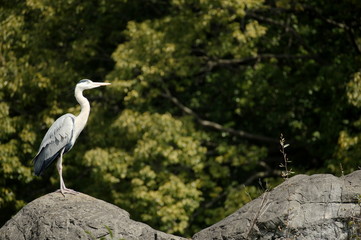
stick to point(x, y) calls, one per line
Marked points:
point(61, 136)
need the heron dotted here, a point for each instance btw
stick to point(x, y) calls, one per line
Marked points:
point(62, 134)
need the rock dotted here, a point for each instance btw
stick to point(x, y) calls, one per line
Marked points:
point(76, 217)
point(320, 206)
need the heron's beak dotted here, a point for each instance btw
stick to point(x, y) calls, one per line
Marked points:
point(99, 84)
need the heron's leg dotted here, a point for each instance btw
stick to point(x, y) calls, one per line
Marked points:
point(59, 166)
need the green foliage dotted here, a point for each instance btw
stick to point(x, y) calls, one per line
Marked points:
point(154, 165)
point(201, 91)
point(349, 140)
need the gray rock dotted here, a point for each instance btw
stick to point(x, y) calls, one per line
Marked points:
point(320, 206)
point(76, 217)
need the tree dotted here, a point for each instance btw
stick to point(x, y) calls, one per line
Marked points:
point(244, 72)
point(201, 91)
point(45, 48)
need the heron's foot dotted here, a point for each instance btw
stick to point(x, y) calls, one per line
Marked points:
point(67, 191)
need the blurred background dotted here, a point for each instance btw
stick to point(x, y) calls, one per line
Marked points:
point(201, 92)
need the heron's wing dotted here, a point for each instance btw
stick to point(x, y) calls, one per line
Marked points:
point(57, 137)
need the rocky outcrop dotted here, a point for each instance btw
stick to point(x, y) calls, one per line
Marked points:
point(320, 206)
point(76, 217)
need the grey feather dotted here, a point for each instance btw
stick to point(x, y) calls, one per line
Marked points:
point(58, 137)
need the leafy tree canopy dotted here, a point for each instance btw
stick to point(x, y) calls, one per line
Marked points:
point(201, 91)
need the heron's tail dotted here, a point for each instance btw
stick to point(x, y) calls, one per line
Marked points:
point(41, 162)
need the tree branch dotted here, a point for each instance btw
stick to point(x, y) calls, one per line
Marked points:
point(348, 29)
point(312, 12)
point(247, 60)
point(214, 125)
point(287, 28)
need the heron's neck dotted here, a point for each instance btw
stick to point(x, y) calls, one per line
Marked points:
point(82, 118)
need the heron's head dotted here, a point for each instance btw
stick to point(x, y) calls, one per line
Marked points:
point(88, 84)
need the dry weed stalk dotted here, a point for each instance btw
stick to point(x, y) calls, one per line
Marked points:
point(287, 172)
